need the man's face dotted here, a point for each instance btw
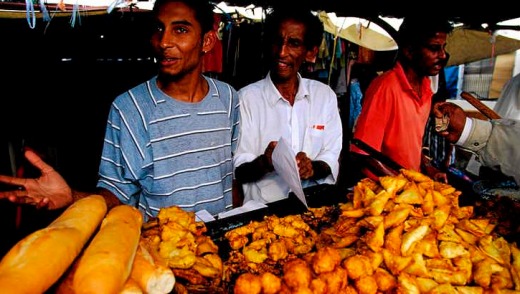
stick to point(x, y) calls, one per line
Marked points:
point(288, 51)
point(431, 57)
point(177, 40)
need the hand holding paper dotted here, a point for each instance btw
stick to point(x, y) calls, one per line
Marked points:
point(284, 162)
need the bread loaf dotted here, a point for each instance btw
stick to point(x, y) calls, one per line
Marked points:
point(153, 278)
point(37, 261)
point(131, 287)
point(106, 263)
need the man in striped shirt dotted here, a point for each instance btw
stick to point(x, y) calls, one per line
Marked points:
point(168, 141)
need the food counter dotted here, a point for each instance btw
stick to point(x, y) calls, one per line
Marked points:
point(402, 233)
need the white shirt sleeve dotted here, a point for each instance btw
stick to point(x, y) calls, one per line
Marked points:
point(465, 133)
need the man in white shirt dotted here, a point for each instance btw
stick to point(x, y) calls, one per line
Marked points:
point(284, 104)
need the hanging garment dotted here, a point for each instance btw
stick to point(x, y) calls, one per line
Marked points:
point(355, 102)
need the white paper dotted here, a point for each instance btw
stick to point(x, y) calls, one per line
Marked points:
point(246, 207)
point(284, 162)
point(203, 215)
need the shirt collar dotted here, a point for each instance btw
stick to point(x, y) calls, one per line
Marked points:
point(273, 95)
point(425, 84)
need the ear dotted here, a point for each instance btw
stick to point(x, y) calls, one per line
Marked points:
point(209, 40)
point(311, 54)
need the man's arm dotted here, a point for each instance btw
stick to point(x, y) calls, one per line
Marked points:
point(253, 171)
point(48, 190)
point(495, 142)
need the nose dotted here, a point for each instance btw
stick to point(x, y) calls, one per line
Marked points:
point(443, 54)
point(280, 48)
point(165, 40)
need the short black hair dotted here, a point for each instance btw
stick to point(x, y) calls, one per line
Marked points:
point(416, 30)
point(313, 25)
point(203, 11)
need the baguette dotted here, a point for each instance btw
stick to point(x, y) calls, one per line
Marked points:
point(38, 260)
point(106, 263)
point(153, 278)
point(131, 287)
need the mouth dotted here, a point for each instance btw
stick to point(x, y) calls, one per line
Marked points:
point(280, 65)
point(167, 60)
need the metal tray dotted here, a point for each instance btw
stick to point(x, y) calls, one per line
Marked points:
point(316, 196)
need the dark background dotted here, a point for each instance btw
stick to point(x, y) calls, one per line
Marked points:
point(56, 88)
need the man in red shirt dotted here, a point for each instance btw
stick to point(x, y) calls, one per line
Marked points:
point(397, 103)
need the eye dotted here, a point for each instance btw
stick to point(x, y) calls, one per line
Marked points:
point(434, 47)
point(180, 29)
point(294, 43)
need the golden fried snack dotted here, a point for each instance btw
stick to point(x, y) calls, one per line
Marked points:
point(297, 274)
point(415, 176)
point(318, 286)
point(412, 237)
point(417, 267)
point(255, 255)
point(393, 184)
point(205, 268)
point(366, 285)
point(277, 251)
point(248, 283)
point(325, 260)
point(397, 216)
point(271, 284)
point(205, 245)
point(358, 266)
point(385, 281)
point(336, 281)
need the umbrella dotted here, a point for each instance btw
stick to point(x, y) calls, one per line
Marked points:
point(370, 36)
point(468, 45)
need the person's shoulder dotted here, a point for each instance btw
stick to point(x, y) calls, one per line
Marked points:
point(312, 83)
point(252, 87)
point(221, 84)
point(316, 86)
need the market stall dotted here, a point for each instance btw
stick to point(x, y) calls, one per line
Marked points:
point(401, 233)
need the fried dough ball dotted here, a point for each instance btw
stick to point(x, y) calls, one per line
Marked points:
point(318, 286)
point(271, 284)
point(302, 291)
point(366, 285)
point(325, 260)
point(297, 274)
point(248, 283)
point(358, 266)
point(336, 280)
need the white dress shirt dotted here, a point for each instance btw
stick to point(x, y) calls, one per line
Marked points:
point(311, 125)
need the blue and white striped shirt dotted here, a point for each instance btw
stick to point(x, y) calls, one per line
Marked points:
point(159, 152)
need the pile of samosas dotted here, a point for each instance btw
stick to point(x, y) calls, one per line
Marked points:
point(401, 234)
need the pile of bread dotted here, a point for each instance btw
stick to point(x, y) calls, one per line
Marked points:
point(85, 250)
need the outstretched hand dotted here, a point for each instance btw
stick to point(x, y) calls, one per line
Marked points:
point(48, 190)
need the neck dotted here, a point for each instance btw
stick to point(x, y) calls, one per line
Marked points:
point(288, 89)
point(190, 89)
point(414, 79)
